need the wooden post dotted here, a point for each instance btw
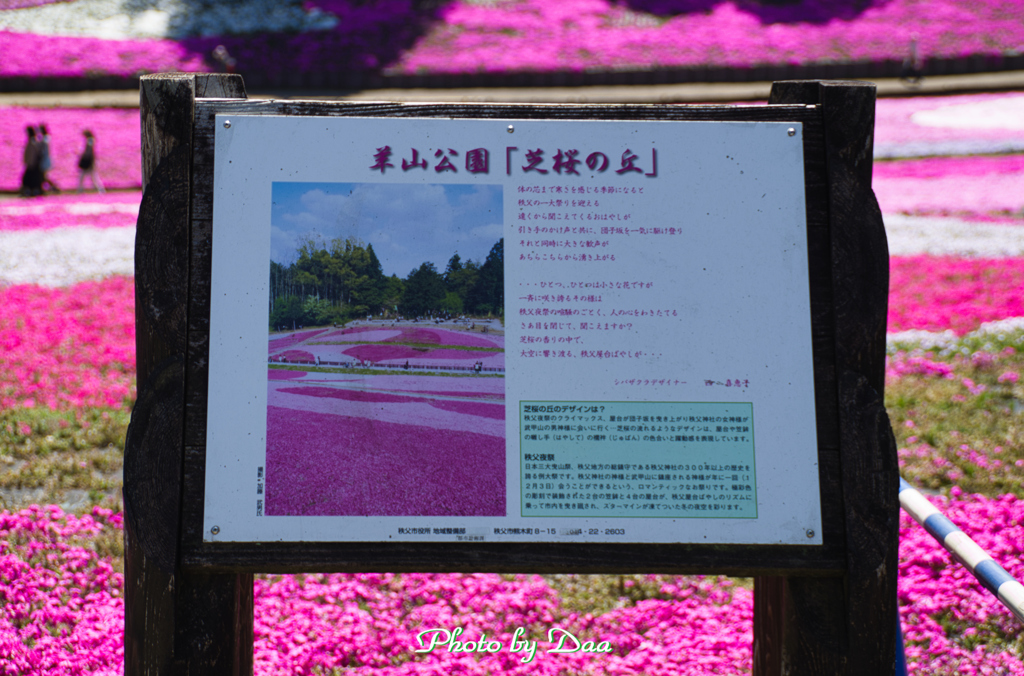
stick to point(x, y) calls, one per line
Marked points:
point(175, 622)
point(847, 625)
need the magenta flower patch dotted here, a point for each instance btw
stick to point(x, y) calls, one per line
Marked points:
point(350, 395)
point(294, 355)
point(293, 339)
point(944, 292)
point(284, 374)
point(495, 411)
point(419, 336)
point(376, 353)
point(68, 347)
point(110, 210)
point(453, 393)
point(321, 464)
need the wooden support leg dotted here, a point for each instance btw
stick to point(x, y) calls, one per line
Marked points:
point(175, 622)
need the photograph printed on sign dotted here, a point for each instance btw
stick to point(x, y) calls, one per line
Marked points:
point(386, 360)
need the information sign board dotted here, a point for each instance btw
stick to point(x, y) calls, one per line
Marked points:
point(574, 331)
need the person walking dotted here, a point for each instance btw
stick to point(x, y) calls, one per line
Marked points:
point(87, 164)
point(45, 161)
point(32, 178)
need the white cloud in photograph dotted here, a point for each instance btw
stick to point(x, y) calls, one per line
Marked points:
point(407, 224)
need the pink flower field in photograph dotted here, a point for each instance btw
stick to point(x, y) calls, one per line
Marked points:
point(397, 355)
point(395, 347)
point(405, 431)
point(290, 340)
point(416, 336)
point(320, 464)
point(118, 142)
point(493, 411)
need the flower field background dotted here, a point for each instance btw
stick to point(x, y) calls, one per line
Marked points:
point(955, 394)
point(471, 36)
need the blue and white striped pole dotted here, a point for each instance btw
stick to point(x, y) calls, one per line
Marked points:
point(989, 573)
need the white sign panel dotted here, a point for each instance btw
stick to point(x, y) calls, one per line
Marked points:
point(510, 330)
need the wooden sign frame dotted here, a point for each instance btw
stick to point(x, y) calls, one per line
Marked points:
point(818, 609)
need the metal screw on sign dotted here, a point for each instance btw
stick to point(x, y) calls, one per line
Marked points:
point(227, 125)
point(791, 131)
point(810, 533)
point(511, 129)
point(215, 530)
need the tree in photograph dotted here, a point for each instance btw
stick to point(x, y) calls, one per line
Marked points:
point(424, 291)
point(459, 279)
point(287, 313)
point(488, 294)
point(394, 287)
point(454, 266)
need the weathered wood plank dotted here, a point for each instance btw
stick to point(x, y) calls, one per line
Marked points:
point(860, 269)
point(866, 607)
point(165, 629)
point(152, 467)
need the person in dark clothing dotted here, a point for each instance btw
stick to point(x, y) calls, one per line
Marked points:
point(45, 161)
point(32, 179)
point(87, 164)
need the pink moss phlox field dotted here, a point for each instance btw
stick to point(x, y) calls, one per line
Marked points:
point(444, 337)
point(944, 167)
point(293, 339)
point(367, 334)
point(903, 363)
point(399, 354)
point(350, 395)
point(61, 610)
point(456, 393)
point(951, 185)
point(936, 293)
point(369, 626)
point(281, 374)
point(61, 605)
point(377, 353)
point(109, 210)
point(932, 587)
point(484, 410)
point(118, 141)
point(323, 464)
point(534, 35)
point(68, 347)
point(581, 34)
point(67, 56)
point(294, 355)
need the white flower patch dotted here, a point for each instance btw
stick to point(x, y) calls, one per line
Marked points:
point(949, 341)
point(914, 235)
point(93, 208)
point(924, 148)
point(65, 256)
point(1006, 113)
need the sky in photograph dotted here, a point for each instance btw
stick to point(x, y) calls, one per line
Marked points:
point(407, 224)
